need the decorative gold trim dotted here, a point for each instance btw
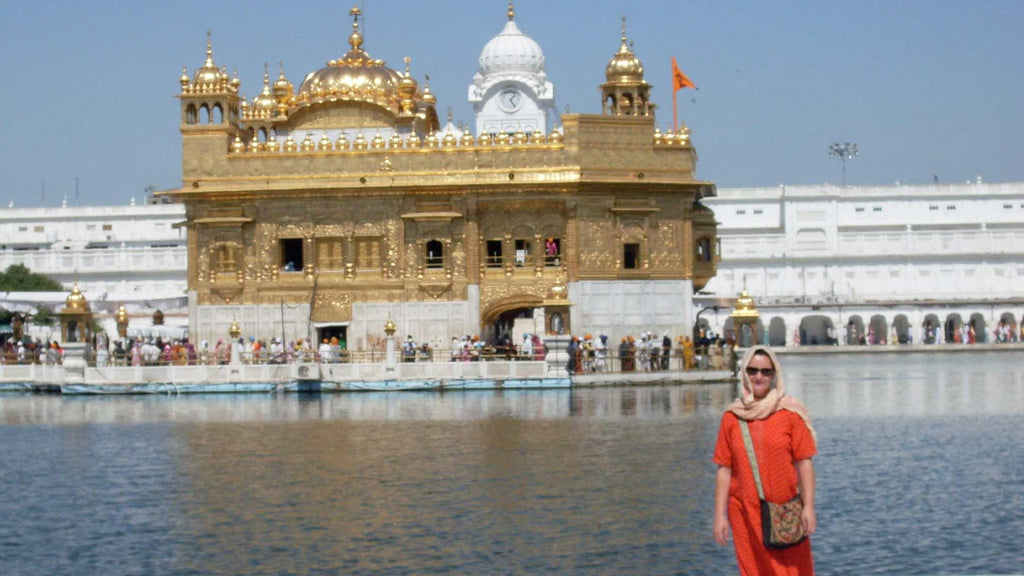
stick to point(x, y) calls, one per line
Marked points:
point(431, 216)
point(223, 221)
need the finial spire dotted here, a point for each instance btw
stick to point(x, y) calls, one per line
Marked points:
point(209, 47)
point(408, 60)
point(355, 40)
point(623, 28)
point(355, 13)
point(511, 11)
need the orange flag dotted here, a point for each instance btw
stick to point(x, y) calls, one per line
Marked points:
point(679, 80)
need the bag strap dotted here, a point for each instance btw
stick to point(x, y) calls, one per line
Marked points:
point(749, 444)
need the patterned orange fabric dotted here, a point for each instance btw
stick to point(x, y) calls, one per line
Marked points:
point(780, 440)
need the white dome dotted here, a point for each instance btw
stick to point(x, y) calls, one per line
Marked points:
point(511, 51)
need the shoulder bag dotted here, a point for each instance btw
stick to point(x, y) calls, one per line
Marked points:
point(781, 524)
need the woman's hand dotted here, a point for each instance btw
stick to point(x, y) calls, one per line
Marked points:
point(721, 529)
point(809, 519)
point(805, 478)
point(720, 526)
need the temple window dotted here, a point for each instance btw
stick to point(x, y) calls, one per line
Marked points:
point(226, 258)
point(291, 254)
point(435, 254)
point(217, 116)
point(523, 252)
point(704, 249)
point(553, 252)
point(631, 256)
point(494, 253)
point(368, 253)
point(191, 116)
point(330, 253)
point(204, 114)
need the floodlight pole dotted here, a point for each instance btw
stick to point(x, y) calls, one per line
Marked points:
point(843, 152)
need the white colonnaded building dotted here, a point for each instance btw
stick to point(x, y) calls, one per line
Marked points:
point(132, 255)
point(885, 260)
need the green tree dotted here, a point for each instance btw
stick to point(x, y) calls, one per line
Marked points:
point(43, 316)
point(18, 278)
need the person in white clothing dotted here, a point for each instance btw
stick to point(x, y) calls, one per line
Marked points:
point(324, 351)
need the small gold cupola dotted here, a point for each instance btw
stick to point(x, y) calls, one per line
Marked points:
point(625, 93)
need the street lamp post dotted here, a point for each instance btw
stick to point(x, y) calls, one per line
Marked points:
point(843, 152)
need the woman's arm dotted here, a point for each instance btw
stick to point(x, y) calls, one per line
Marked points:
point(720, 526)
point(805, 476)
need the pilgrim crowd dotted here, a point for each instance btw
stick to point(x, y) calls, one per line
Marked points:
point(587, 354)
point(647, 352)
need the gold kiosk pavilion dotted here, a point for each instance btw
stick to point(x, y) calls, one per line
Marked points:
point(326, 210)
point(745, 318)
point(75, 318)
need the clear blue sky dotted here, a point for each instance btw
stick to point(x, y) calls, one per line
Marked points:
point(924, 87)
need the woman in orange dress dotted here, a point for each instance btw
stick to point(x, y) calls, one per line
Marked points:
point(784, 442)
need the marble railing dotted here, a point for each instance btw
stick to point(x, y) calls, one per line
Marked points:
point(98, 261)
point(867, 244)
point(275, 373)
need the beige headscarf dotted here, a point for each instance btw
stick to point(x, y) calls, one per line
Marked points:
point(749, 408)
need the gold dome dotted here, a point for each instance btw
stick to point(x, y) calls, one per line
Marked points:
point(624, 67)
point(264, 104)
point(234, 331)
point(283, 89)
point(558, 291)
point(428, 96)
point(406, 85)
point(76, 300)
point(121, 317)
point(744, 307)
point(354, 76)
point(209, 74)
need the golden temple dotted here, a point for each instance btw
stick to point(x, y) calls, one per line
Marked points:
point(329, 209)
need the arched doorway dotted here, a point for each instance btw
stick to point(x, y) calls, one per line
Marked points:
point(777, 332)
point(762, 335)
point(505, 321)
point(931, 331)
point(703, 327)
point(729, 330)
point(977, 322)
point(902, 327)
point(1007, 328)
point(878, 330)
point(951, 326)
point(744, 336)
point(814, 330)
point(855, 331)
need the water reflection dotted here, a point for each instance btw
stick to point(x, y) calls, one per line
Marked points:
point(880, 385)
point(907, 385)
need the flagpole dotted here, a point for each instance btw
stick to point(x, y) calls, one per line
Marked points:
point(675, 120)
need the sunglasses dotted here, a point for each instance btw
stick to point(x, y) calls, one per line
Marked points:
point(766, 372)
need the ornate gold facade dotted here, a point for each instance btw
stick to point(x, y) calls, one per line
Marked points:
point(346, 192)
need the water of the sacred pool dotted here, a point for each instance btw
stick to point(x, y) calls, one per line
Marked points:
point(918, 472)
